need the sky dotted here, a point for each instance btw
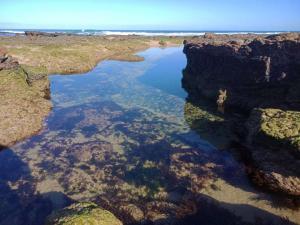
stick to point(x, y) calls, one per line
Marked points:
point(209, 15)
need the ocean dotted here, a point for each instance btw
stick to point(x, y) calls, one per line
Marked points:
point(13, 32)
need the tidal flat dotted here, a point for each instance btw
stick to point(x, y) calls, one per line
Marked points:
point(133, 146)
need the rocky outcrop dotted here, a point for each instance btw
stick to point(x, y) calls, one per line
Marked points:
point(261, 75)
point(40, 34)
point(83, 213)
point(256, 71)
point(6, 61)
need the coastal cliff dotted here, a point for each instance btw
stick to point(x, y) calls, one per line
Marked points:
point(259, 76)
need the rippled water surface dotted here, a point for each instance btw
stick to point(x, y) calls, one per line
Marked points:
point(124, 136)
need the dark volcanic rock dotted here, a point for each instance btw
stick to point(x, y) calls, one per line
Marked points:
point(247, 72)
point(6, 61)
point(255, 71)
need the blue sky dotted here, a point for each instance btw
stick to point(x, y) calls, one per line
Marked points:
point(248, 15)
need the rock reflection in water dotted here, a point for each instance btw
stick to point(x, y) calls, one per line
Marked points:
point(126, 145)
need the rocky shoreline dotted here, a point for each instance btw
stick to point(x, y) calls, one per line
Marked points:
point(259, 76)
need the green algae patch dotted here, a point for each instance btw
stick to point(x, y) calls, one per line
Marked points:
point(276, 129)
point(81, 214)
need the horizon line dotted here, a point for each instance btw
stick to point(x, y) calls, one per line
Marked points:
point(184, 30)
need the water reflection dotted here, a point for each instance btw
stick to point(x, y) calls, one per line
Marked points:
point(124, 141)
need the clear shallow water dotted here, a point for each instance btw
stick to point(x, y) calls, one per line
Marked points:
point(124, 136)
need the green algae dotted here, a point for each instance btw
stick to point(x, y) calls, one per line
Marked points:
point(24, 104)
point(82, 214)
point(277, 128)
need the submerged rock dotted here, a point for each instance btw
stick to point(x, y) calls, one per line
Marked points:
point(134, 213)
point(83, 213)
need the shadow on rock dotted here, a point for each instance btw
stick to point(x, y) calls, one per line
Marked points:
point(202, 117)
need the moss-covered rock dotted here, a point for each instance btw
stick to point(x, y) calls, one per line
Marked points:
point(275, 128)
point(81, 214)
point(274, 144)
point(24, 103)
point(35, 73)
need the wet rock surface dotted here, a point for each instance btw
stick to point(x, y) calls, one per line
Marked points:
point(254, 72)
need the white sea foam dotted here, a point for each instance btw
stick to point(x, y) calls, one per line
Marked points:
point(144, 33)
point(13, 31)
point(158, 33)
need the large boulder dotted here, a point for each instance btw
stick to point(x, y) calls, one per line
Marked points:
point(81, 214)
point(256, 71)
point(274, 144)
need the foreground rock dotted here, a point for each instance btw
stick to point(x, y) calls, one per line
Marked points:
point(246, 72)
point(83, 213)
point(275, 139)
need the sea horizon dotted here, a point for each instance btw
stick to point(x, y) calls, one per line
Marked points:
point(145, 32)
